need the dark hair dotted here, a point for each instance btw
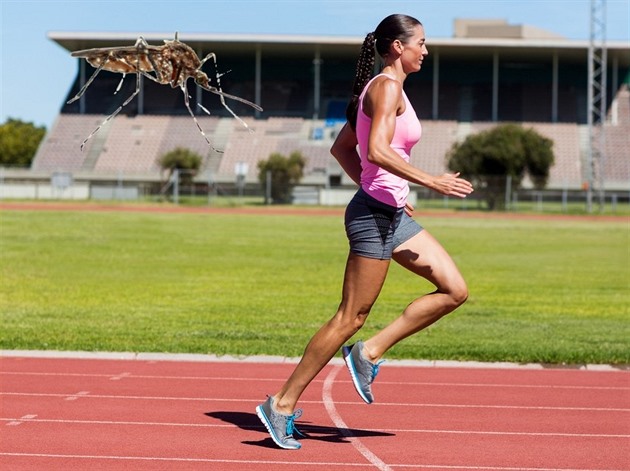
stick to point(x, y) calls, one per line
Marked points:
point(394, 27)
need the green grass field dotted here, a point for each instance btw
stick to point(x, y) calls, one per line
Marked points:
point(553, 290)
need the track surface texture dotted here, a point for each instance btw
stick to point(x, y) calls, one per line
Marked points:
point(141, 414)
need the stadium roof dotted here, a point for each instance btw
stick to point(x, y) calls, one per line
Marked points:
point(339, 45)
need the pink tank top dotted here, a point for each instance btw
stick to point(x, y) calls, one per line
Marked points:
point(375, 181)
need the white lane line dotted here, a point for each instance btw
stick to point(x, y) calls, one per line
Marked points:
point(120, 376)
point(376, 404)
point(34, 419)
point(341, 425)
point(21, 420)
point(151, 358)
point(336, 465)
point(522, 434)
point(185, 460)
point(384, 382)
point(74, 397)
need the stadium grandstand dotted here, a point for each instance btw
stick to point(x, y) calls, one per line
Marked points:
point(488, 73)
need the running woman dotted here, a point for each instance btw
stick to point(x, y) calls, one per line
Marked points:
point(383, 125)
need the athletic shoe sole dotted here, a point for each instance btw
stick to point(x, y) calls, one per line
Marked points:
point(347, 357)
point(267, 423)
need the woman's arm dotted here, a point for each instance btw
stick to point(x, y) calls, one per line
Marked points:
point(383, 101)
point(344, 149)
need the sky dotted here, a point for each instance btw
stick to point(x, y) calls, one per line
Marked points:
point(36, 73)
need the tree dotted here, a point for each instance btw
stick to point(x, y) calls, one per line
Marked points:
point(181, 159)
point(19, 142)
point(285, 174)
point(488, 157)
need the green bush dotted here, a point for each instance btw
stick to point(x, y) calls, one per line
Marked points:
point(286, 172)
point(489, 157)
point(181, 159)
point(19, 142)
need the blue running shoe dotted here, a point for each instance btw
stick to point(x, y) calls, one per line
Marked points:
point(362, 371)
point(279, 426)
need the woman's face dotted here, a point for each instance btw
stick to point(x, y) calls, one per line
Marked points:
point(414, 51)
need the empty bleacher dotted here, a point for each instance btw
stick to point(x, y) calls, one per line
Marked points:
point(616, 163)
point(437, 138)
point(246, 147)
point(61, 149)
point(133, 145)
point(566, 171)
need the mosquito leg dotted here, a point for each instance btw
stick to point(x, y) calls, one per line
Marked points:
point(120, 84)
point(88, 83)
point(212, 56)
point(113, 115)
point(206, 110)
point(187, 103)
point(149, 76)
point(217, 90)
point(209, 56)
point(143, 48)
point(232, 97)
point(223, 95)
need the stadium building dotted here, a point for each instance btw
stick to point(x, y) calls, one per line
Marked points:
point(489, 72)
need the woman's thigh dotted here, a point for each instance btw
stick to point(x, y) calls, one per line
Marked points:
point(363, 280)
point(424, 255)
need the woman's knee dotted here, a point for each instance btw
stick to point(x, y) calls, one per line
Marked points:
point(458, 293)
point(351, 320)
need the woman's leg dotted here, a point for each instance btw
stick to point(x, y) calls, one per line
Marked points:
point(362, 284)
point(424, 256)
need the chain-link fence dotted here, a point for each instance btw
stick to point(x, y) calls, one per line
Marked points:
point(186, 188)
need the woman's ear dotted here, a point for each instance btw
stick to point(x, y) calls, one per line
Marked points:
point(397, 47)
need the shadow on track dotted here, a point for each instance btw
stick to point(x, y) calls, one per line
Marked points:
point(250, 422)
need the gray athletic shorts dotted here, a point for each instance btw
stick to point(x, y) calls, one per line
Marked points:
point(375, 229)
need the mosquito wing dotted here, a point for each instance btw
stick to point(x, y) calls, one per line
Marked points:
point(123, 60)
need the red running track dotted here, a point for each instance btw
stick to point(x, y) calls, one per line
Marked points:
point(69, 414)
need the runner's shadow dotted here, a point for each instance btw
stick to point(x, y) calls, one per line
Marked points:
point(250, 422)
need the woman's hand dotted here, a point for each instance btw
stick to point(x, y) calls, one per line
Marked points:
point(409, 209)
point(450, 184)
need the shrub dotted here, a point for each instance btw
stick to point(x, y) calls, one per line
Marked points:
point(286, 172)
point(488, 157)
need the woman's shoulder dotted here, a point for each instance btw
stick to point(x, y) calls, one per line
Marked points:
point(385, 91)
point(385, 78)
point(385, 83)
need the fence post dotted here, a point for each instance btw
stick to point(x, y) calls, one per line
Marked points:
point(565, 198)
point(241, 169)
point(176, 186)
point(508, 191)
point(118, 193)
point(268, 187)
point(211, 188)
point(539, 198)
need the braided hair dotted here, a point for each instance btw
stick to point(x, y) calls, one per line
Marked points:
point(365, 68)
point(394, 27)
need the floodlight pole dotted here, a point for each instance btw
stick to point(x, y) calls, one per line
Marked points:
point(317, 65)
point(596, 102)
point(81, 83)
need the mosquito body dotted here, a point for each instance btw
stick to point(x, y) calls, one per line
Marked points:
point(171, 64)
